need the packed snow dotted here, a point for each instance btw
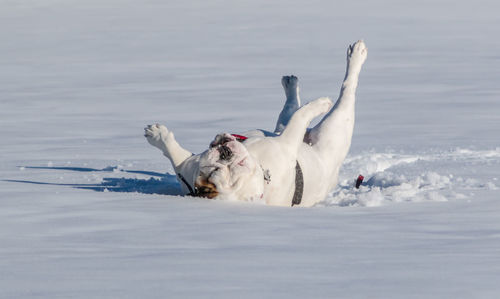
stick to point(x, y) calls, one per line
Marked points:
point(89, 210)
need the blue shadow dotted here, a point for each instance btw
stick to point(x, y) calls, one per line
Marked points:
point(166, 184)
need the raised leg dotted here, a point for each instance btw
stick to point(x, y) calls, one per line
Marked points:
point(292, 102)
point(332, 136)
point(293, 134)
point(160, 137)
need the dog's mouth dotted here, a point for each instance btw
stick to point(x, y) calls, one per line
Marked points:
point(203, 188)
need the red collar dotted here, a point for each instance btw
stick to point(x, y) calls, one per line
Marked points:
point(240, 138)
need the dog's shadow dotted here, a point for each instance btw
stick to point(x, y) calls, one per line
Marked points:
point(157, 183)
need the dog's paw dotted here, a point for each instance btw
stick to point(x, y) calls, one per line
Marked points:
point(319, 106)
point(324, 104)
point(157, 135)
point(289, 82)
point(357, 53)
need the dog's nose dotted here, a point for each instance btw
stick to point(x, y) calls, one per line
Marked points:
point(225, 152)
point(221, 139)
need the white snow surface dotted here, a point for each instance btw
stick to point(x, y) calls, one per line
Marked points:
point(89, 210)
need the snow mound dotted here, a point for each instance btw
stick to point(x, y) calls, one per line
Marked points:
point(394, 187)
point(391, 177)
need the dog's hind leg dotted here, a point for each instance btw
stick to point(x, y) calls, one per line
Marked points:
point(292, 102)
point(293, 134)
point(160, 137)
point(332, 136)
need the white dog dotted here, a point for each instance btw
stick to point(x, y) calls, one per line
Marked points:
point(294, 165)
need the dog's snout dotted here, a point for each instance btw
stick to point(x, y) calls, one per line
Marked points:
point(225, 152)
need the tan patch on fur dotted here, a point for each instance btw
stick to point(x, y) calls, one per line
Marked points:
point(205, 189)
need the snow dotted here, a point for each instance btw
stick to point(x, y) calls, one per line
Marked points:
point(396, 177)
point(89, 210)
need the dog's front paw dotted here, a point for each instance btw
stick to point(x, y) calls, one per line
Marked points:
point(356, 54)
point(157, 135)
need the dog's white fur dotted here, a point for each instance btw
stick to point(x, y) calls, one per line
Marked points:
point(263, 167)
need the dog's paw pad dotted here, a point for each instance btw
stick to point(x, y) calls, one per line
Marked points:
point(319, 106)
point(156, 134)
point(324, 104)
point(289, 81)
point(357, 52)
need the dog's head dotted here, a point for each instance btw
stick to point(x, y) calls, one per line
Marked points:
point(227, 169)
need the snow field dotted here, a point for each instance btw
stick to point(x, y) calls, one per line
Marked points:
point(89, 210)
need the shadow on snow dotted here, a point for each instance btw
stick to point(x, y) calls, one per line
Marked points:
point(166, 184)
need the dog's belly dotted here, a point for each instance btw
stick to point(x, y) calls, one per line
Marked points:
point(317, 177)
point(281, 166)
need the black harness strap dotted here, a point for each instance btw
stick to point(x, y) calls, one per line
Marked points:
point(191, 191)
point(299, 185)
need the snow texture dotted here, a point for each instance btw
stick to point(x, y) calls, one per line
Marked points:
point(89, 210)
